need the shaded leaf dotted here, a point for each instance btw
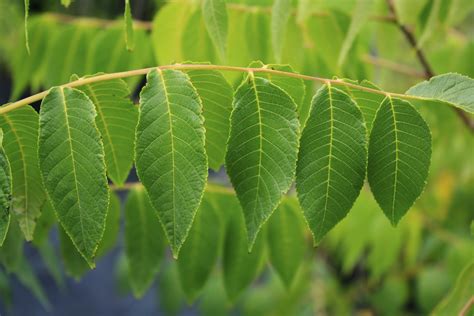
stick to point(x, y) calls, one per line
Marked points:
point(368, 102)
point(112, 226)
point(196, 43)
point(170, 156)
point(262, 149)
point(460, 295)
point(26, 276)
point(215, 18)
point(27, 10)
point(399, 157)
point(11, 251)
point(72, 163)
point(216, 95)
point(199, 253)
point(20, 129)
point(5, 192)
point(74, 263)
point(144, 241)
point(170, 293)
point(286, 240)
point(452, 89)
point(116, 119)
point(332, 160)
point(240, 267)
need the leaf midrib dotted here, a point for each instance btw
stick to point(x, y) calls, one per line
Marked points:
point(74, 172)
point(165, 90)
point(331, 131)
point(392, 108)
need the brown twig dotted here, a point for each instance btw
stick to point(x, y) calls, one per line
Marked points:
point(428, 71)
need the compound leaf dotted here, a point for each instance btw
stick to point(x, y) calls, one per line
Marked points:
point(453, 89)
point(71, 158)
point(262, 149)
point(399, 157)
point(170, 155)
point(20, 144)
point(214, 13)
point(116, 119)
point(332, 160)
point(144, 241)
point(199, 253)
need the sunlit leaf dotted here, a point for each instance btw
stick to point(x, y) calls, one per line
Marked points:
point(399, 157)
point(127, 15)
point(280, 14)
point(215, 18)
point(452, 89)
point(332, 160)
point(262, 149)
point(170, 155)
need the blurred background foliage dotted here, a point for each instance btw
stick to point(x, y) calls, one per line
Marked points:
point(364, 266)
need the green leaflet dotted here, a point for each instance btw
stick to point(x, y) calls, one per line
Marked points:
point(112, 226)
point(66, 3)
point(127, 16)
point(332, 160)
point(168, 25)
point(144, 241)
point(240, 267)
point(27, 9)
point(452, 89)
point(286, 240)
point(71, 158)
point(399, 157)
point(460, 295)
point(199, 253)
point(360, 16)
point(20, 129)
point(280, 14)
point(295, 87)
point(170, 156)
point(11, 251)
point(195, 41)
point(25, 274)
point(108, 53)
point(262, 149)
point(216, 95)
point(257, 36)
point(215, 18)
point(368, 102)
point(116, 119)
point(26, 65)
point(44, 223)
point(51, 262)
point(67, 54)
point(5, 192)
point(74, 263)
point(170, 293)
